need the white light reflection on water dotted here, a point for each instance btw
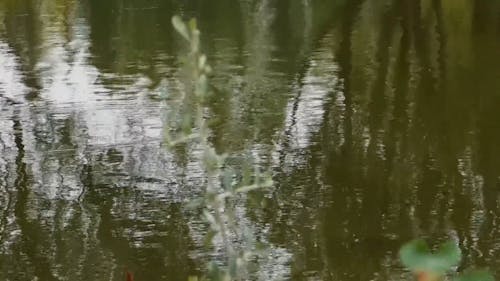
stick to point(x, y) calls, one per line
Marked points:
point(305, 113)
point(77, 120)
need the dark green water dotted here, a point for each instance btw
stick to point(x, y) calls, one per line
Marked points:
point(379, 119)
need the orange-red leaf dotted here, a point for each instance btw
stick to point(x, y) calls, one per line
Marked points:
point(130, 276)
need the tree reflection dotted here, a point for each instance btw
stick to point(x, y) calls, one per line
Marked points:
point(380, 118)
point(403, 163)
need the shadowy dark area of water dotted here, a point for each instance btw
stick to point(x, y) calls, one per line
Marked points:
point(379, 119)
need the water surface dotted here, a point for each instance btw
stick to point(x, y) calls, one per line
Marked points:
point(379, 119)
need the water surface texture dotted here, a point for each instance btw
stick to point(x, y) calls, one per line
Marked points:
point(380, 120)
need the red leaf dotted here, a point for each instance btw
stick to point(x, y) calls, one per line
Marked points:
point(130, 276)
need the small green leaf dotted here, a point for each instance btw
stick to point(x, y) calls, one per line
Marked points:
point(412, 253)
point(247, 188)
point(210, 159)
point(202, 60)
point(194, 204)
point(202, 86)
point(186, 123)
point(208, 241)
point(193, 25)
point(181, 27)
point(233, 267)
point(247, 174)
point(417, 257)
point(228, 179)
point(211, 220)
point(476, 275)
point(449, 252)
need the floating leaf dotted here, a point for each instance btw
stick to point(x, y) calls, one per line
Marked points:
point(416, 256)
point(476, 275)
point(181, 27)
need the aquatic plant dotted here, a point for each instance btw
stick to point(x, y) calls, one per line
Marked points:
point(188, 124)
point(433, 266)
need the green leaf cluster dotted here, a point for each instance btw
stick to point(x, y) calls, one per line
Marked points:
point(417, 256)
